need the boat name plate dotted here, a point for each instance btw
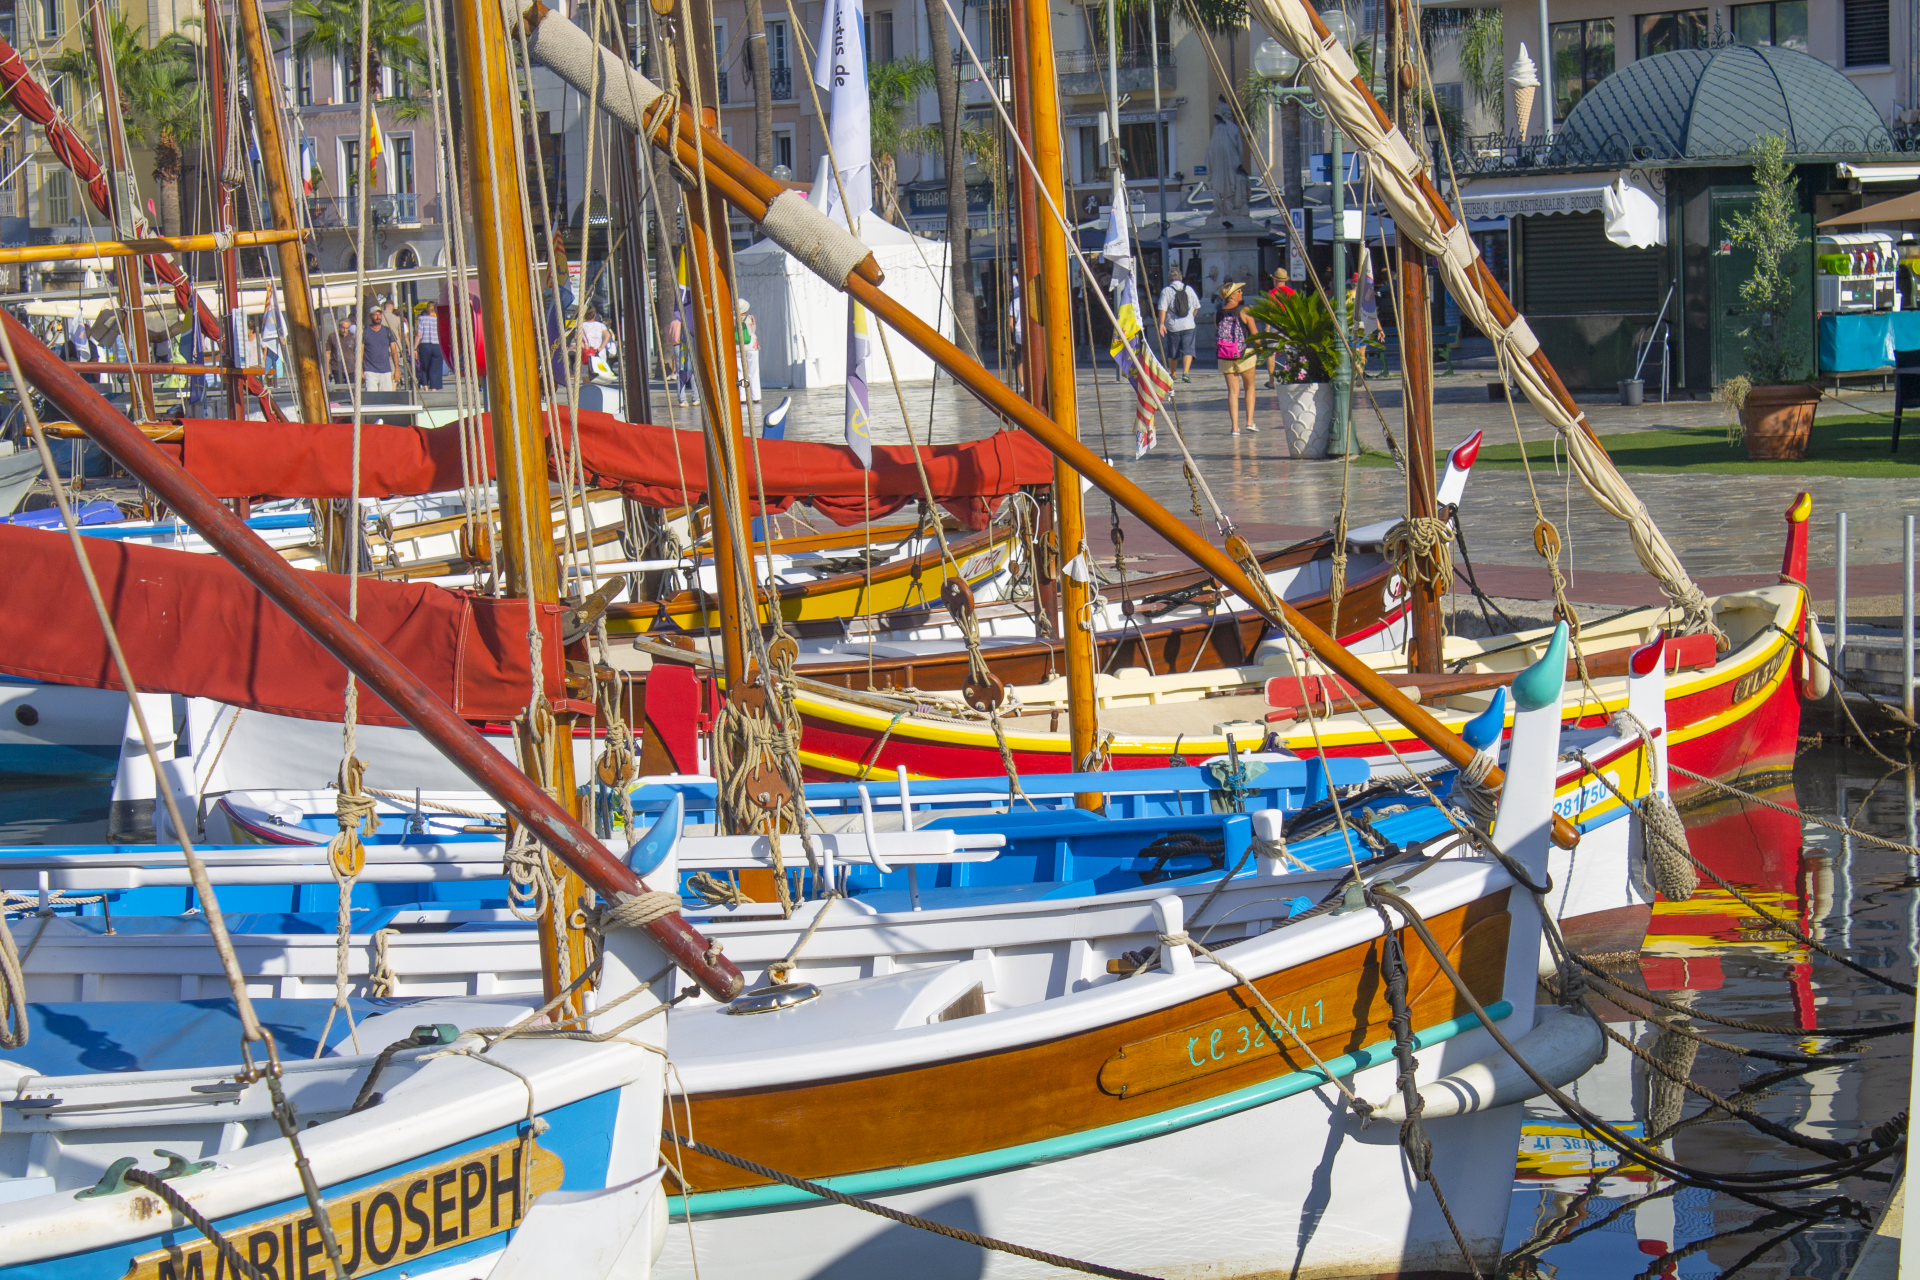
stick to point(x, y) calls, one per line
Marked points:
point(396, 1221)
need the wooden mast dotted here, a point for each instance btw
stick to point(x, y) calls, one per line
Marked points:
point(509, 305)
point(1056, 310)
point(302, 343)
point(229, 258)
point(710, 314)
point(1033, 351)
point(123, 209)
point(1415, 321)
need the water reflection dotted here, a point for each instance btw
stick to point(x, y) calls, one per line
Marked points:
point(1581, 1210)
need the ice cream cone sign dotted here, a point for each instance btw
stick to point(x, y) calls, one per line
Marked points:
point(1525, 79)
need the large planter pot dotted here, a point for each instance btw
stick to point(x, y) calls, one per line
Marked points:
point(1306, 410)
point(1777, 420)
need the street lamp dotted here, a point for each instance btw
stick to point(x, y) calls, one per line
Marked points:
point(1278, 65)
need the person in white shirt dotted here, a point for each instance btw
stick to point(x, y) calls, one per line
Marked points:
point(593, 335)
point(1179, 309)
point(429, 356)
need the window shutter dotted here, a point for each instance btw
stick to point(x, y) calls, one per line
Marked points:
point(1571, 268)
point(1869, 33)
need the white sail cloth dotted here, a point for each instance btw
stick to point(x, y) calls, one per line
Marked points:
point(1395, 168)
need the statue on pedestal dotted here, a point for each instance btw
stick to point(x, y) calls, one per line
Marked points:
point(1226, 165)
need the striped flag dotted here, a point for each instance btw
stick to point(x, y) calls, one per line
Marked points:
point(1150, 379)
point(859, 345)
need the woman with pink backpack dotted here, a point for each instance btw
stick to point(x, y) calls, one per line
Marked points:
point(1233, 347)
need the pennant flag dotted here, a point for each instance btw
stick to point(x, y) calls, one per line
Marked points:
point(841, 69)
point(1367, 296)
point(1150, 379)
point(859, 425)
point(376, 145)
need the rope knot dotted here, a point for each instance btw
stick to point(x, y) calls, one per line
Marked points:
point(1421, 547)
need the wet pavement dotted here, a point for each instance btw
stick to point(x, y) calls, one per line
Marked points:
point(1728, 530)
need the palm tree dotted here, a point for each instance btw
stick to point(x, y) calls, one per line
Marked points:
point(891, 88)
point(1482, 48)
point(159, 92)
point(393, 26)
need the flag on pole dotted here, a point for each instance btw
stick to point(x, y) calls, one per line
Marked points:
point(309, 165)
point(859, 424)
point(1151, 381)
point(841, 69)
point(376, 145)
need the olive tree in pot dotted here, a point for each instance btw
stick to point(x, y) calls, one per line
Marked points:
point(1299, 329)
point(1775, 413)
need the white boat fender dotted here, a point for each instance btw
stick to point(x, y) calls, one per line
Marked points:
point(1816, 678)
point(1561, 1047)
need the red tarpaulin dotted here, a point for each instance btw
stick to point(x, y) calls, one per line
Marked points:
point(190, 624)
point(647, 463)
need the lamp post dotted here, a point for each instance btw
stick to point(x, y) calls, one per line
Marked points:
point(1276, 64)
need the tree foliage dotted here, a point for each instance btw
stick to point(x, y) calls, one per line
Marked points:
point(1771, 231)
point(393, 26)
point(159, 97)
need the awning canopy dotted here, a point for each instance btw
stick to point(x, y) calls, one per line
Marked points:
point(1899, 209)
point(1534, 194)
point(1879, 172)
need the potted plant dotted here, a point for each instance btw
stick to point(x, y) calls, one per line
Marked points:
point(1776, 412)
point(1300, 330)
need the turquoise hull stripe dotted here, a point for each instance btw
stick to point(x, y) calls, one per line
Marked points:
point(886, 1181)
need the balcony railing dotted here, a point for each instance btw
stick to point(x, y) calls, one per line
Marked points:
point(782, 84)
point(1086, 71)
point(397, 209)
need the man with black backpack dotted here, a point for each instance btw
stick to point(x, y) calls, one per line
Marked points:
point(1179, 309)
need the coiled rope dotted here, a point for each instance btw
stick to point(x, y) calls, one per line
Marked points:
point(1421, 547)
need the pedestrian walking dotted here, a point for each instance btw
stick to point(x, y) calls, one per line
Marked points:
point(376, 356)
point(1179, 312)
point(431, 357)
point(1279, 289)
point(1233, 331)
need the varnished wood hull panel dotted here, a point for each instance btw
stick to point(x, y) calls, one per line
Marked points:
point(1204, 1183)
point(1039, 1092)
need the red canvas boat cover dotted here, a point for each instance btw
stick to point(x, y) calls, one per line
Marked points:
point(192, 625)
point(651, 464)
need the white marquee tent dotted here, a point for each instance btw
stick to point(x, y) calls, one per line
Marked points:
point(801, 320)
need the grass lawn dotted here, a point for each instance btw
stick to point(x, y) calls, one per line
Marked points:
point(1840, 446)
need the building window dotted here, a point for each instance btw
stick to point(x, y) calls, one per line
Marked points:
point(302, 81)
point(1451, 94)
point(1681, 29)
point(50, 13)
point(779, 61)
point(57, 88)
point(783, 148)
point(1140, 150)
point(1869, 33)
point(350, 164)
point(6, 168)
point(1091, 158)
point(402, 162)
point(1582, 58)
point(1783, 22)
point(878, 28)
point(349, 73)
point(53, 181)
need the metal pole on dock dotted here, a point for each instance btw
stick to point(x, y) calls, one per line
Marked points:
point(1906, 616)
point(1839, 610)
